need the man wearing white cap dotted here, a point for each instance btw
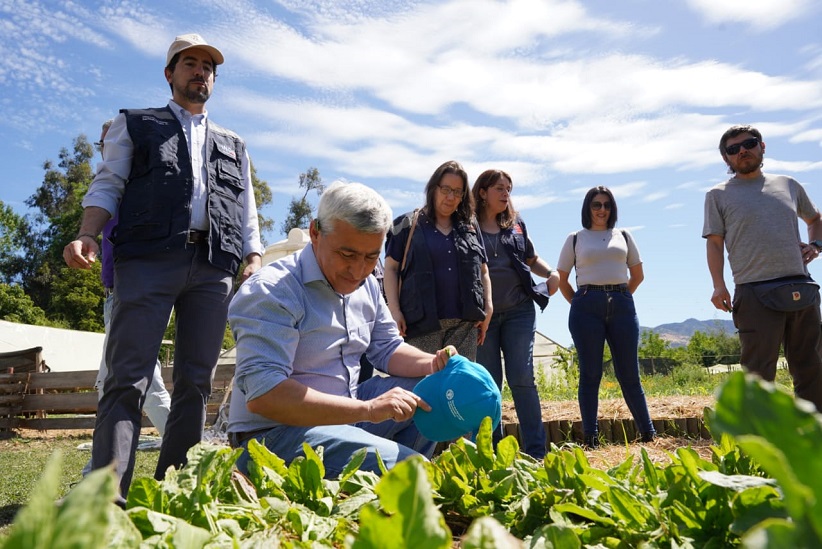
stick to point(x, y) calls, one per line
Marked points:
point(187, 221)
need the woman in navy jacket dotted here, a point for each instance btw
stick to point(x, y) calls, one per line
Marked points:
point(437, 284)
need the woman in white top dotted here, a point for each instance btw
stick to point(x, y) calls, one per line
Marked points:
point(608, 271)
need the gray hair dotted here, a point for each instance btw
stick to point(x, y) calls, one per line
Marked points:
point(360, 206)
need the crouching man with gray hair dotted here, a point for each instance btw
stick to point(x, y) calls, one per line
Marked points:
point(301, 325)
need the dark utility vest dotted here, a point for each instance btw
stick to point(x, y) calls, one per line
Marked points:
point(418, 301)
point(514, 242)
point(155, 211)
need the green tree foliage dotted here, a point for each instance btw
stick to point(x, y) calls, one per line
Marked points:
point(300, 210)
point(16, 306)
point(651, 345)
point(58, 210)
point(655, 354)
point(13, 232)
point(77, 298)
point(711, 349)
point(262, 197)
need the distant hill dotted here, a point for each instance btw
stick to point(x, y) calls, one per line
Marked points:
point(679, 333)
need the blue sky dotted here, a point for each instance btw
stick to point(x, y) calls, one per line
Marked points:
point(563, 95)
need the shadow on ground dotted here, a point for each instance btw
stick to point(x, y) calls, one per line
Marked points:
point(7, 514)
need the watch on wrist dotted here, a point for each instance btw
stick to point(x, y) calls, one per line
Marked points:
point(816, 244)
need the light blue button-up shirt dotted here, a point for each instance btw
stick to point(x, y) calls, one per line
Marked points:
point(290, 323)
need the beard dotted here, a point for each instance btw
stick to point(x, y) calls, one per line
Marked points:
point(749, 164)
point(199, 94)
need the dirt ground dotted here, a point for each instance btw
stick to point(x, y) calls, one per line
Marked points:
point(669, 407)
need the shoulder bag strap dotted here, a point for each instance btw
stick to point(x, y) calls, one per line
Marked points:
point(405, 252)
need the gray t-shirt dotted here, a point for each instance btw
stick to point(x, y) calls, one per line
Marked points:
point(600, 257)
point(758, 220)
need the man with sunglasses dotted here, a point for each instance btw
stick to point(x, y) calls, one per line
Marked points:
point(753, 214)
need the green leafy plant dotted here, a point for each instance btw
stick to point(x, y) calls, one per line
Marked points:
point(762, 487)
point(785, 437)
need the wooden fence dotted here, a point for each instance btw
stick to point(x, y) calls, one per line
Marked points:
point(617, 430)
point(68, 400)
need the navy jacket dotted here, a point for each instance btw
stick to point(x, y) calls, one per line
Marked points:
point(418, 301)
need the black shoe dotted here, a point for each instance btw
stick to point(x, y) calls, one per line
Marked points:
point(647, 437)
point(591, 442)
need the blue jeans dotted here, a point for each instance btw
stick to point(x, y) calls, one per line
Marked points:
point(511, 333)
point(394, 440)
point(596, 317)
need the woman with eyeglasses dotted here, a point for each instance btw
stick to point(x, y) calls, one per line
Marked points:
point(608, 272)
point(436, 279)
point(511, 261)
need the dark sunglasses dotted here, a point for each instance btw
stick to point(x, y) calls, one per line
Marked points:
point(599, 205)
point(748, 144)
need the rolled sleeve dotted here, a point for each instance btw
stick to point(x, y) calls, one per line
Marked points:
point(267, 336)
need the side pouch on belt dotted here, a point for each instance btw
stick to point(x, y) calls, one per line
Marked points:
point(787, 295)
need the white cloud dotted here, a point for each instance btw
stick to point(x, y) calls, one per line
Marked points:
point(655, 196)
point(758, 14)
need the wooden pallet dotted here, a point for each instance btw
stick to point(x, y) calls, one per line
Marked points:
point(68, 400)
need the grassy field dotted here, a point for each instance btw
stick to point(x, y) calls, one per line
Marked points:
point(23, 460)
point(685, 380)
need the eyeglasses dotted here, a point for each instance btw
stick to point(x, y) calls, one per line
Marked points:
point(99, 145)
point(599, 205)
point(448, 191)
point(748, 144)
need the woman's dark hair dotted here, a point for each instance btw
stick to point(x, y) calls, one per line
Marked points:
point(465, 210)
point(586, 206)
point(489, 178)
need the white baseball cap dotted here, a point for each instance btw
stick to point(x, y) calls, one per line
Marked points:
point(193, 40)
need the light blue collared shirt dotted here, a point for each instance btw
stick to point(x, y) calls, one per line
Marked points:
point(290, 323)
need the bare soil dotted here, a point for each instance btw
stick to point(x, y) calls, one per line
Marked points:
point(668, 407)
point(609, 455)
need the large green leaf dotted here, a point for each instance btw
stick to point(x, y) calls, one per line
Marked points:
point(783, 434)
point(82, 519)
point(410, 518)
